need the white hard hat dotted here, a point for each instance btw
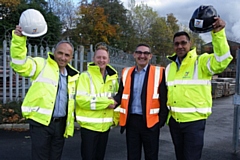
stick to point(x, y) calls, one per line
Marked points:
point(32, 23)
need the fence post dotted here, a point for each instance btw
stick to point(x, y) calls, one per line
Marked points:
point(81, 58)
point(4, 71)
point(236, 102)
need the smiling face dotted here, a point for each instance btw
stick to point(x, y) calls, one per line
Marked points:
point(101, 58)
point(63, 54)
point(182, 46)
point(142, 56)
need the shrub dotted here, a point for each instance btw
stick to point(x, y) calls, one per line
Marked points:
point(11, 112)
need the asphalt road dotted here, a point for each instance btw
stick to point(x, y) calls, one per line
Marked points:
point(218, 140)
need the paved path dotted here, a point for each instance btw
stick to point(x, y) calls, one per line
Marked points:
point(218, 140)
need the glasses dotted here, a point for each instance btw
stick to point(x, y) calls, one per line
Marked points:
point(145, 52)
point(183, 43)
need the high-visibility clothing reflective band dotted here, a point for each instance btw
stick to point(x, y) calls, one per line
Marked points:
point(156, 78)
point(189, 82)
point(42, 79)
point(21, 62)
point(125, 75)
point(209, 66)
point(105, 94)
point(92, 92)
point(156, 82)
point(152, 111)
point(29, 109)
point(94, 120)
point(223, 57)
point(190, 110)
point(71, 96)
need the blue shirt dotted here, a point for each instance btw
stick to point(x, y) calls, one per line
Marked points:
point(136, 107)
point(178, 62)
point(61, 100)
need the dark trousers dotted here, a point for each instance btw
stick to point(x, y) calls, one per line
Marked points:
point(47, 141)
point(188, 138)
point(93, 145)
point(138, 136)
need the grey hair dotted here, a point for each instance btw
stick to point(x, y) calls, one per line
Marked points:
point(65, 41)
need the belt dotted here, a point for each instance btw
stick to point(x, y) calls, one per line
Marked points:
point(57, 119)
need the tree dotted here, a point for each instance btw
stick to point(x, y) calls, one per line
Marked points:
point(172, 23)
point(160, 37)
point(65, 10)
point(54, 25)
point(94, 26)
point(116, 15)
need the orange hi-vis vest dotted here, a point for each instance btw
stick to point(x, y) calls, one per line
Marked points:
point(152, 95)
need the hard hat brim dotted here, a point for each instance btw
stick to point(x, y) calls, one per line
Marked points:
point(37, 34)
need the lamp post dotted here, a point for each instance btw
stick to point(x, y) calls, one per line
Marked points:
point(80, 34)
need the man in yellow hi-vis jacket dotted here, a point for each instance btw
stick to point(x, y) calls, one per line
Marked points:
point(95, 106)
point(188, 78)
point(49, 103)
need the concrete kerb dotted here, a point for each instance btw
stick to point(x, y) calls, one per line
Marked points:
point(25, 126)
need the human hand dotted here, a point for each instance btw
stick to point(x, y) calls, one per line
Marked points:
point(113, 106)
point(18, 31)
point(218, 25)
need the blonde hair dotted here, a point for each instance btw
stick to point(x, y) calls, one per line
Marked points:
point(101, 47)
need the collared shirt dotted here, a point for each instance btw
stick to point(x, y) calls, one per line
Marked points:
point(178, 62)
point(136, 107)
point(61, 100)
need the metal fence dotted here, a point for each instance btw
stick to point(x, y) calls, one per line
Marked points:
point(14, 87)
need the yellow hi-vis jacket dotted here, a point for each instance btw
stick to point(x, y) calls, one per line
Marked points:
point(189, 87)
point(38, 104)
point(93, 98)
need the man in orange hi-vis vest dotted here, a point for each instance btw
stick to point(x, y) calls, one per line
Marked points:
point(142, 95)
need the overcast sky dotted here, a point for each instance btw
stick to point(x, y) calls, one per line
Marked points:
point(229, 11)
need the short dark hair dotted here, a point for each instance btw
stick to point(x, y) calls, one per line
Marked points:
point(143, 44)
point(181, 33)
point(65, 41)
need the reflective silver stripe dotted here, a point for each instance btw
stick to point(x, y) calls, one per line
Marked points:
point(81, 93)
point(105, 94)
point(34, 68)
point(71, 96)
point(122, 110)
point(154, 111)
point(94, 120)
point(155, 96)
point(40, 77)
point(114, 81)
point(189, 82)
point(195, 74)
point(167, 71)
point(19, 62)
point(45, 80)
point(125, 96)
point(92, 93)
point(91, 83)
point(191, 110)
point(117, 109)
point(223, 57)
point(156, 82)
point(124, 77)
point(36, 109)
point(209, 67)
point(93, 103)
